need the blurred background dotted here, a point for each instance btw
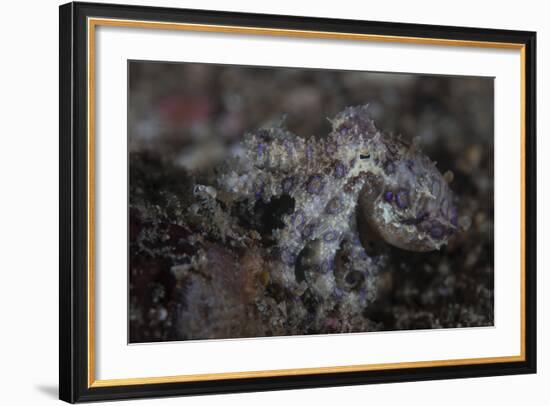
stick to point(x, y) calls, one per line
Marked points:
point(183, 117)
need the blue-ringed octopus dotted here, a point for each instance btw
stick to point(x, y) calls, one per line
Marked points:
point(355, 172)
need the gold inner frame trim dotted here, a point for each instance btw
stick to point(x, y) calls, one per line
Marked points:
point(94, 22)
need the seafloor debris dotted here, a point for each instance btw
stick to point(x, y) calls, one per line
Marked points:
point(281, 239)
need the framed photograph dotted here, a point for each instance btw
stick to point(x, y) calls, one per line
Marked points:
point(257, 202)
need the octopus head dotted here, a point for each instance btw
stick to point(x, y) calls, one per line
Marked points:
point(410, 206)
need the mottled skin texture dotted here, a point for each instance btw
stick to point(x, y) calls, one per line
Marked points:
point(356, 169)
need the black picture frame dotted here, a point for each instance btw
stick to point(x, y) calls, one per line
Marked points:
point(74, 385)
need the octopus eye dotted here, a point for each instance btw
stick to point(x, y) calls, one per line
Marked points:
point(364, 156)
point(353, 278)
point(388, 196)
